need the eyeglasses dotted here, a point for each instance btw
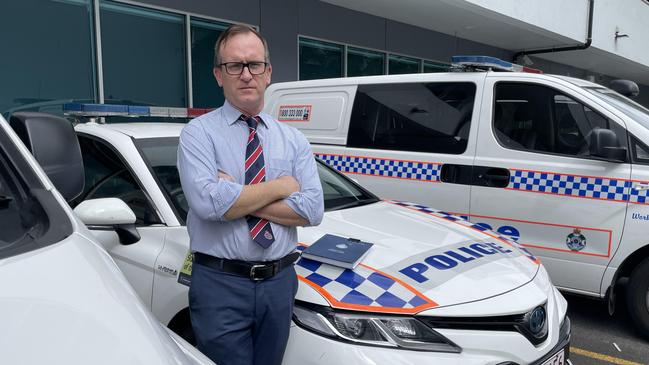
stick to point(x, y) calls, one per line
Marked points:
point(236, 68)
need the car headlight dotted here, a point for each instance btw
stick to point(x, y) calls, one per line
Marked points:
point(370, 329)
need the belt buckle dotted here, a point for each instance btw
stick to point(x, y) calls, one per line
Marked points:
point(253, 269)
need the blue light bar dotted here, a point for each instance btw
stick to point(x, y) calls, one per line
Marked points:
point(107, 110)
point(491, 63)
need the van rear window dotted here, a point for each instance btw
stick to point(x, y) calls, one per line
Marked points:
point(418, 117)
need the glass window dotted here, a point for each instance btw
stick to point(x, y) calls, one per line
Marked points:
point(30, 216)
point(48, 53)
point(160, 155)
point(363, 62)
point(206, 92)
point(320, 60)
point(430, 67)
point(403, 65)
point(108, 177)
point(143, 53)
point(432, 117)
point(541, 119)
point(640, 151)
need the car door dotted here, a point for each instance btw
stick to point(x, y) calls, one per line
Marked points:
point(108, 176)
point(562, 202)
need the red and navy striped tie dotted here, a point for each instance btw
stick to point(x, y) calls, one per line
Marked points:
point(260, 229)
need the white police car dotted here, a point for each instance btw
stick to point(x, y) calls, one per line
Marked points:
point(433, 288)
point(557, 163)
point(62, 298)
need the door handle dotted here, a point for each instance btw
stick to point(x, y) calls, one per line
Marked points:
point(493, 177)
point(641, 187)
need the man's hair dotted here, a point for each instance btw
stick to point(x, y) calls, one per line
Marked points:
point(233, 30)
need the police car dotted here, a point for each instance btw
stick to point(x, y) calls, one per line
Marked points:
point(434, 287)
point(561, 165)
point(63, 299)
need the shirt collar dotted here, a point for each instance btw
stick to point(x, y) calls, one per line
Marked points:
point(232, 114)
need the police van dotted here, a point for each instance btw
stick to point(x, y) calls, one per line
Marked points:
point(558, 164)
point(63, 299)
point(433, 288)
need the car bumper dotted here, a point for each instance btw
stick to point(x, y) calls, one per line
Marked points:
point(479, 348)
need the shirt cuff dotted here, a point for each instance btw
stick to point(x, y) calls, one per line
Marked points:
point(224, 197)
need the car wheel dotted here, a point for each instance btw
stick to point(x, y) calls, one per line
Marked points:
point(638, 297)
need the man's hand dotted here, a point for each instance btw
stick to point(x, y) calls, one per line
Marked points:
point(224, 176)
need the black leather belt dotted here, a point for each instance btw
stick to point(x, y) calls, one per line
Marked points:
point(256, 270)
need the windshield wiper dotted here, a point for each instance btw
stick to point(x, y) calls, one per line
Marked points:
point(5, 200)
point(356, 203)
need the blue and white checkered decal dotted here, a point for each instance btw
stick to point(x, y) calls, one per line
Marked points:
point(570, 185)
point(362, 288)
point(412, 170)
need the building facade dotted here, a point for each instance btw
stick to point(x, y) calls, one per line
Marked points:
point(159, 52)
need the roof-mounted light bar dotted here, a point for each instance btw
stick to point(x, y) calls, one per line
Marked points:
point(490, 63)
point(112, 110)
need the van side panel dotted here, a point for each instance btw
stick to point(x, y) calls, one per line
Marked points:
point(321, 113)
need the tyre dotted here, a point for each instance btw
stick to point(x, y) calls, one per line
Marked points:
point(638, 297)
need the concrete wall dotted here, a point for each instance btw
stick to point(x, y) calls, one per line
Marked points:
point(282, 21)
point(571, 21)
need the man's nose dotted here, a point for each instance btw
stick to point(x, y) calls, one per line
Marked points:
point(245, 74)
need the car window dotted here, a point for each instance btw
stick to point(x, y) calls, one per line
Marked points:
point(420, 117)
point(30, 216)
point(106, 176)
point(537, 118)
point(160, 154)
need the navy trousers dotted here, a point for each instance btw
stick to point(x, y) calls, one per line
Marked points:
point(238, 321)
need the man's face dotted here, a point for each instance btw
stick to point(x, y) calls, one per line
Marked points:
point(245, 91)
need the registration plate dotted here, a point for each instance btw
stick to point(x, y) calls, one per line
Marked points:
point(556, 359)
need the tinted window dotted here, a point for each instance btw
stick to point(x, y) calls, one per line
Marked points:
point(108, 177)
point(320, 60)
point(363, 62)
point(47, 52)
point(206, 92)
point(540, 119)
point(143, 53)
point(433, 117)
point(160, 155)
point(30, 216)
point(640, 151)
point(403, 65)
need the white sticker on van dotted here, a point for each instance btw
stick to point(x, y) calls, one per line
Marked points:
point(294, 113)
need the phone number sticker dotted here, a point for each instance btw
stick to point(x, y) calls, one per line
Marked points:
point(294, 113)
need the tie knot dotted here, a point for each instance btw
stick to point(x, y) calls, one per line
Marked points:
point(251, 121)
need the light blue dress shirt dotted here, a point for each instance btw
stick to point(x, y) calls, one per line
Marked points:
point(217, 141)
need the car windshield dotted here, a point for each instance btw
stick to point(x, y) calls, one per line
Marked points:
point(160, 155)
point(30, 217)
point(629, 107)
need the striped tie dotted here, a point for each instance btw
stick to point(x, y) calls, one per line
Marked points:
point(260, 229)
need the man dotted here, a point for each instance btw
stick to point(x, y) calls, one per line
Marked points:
point(249, 181)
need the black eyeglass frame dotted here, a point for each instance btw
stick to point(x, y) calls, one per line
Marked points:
point(243, 65)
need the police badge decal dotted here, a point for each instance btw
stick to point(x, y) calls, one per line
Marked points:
point(576, 241)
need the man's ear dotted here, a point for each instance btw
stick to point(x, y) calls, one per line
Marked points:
point(218, 75)
point(269, 72)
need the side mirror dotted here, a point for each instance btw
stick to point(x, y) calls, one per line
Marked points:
point(604, 144)
point(55, 146)
point(625, 87)
point(110, 213)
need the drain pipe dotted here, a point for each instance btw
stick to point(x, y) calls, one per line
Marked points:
point(589, 40)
